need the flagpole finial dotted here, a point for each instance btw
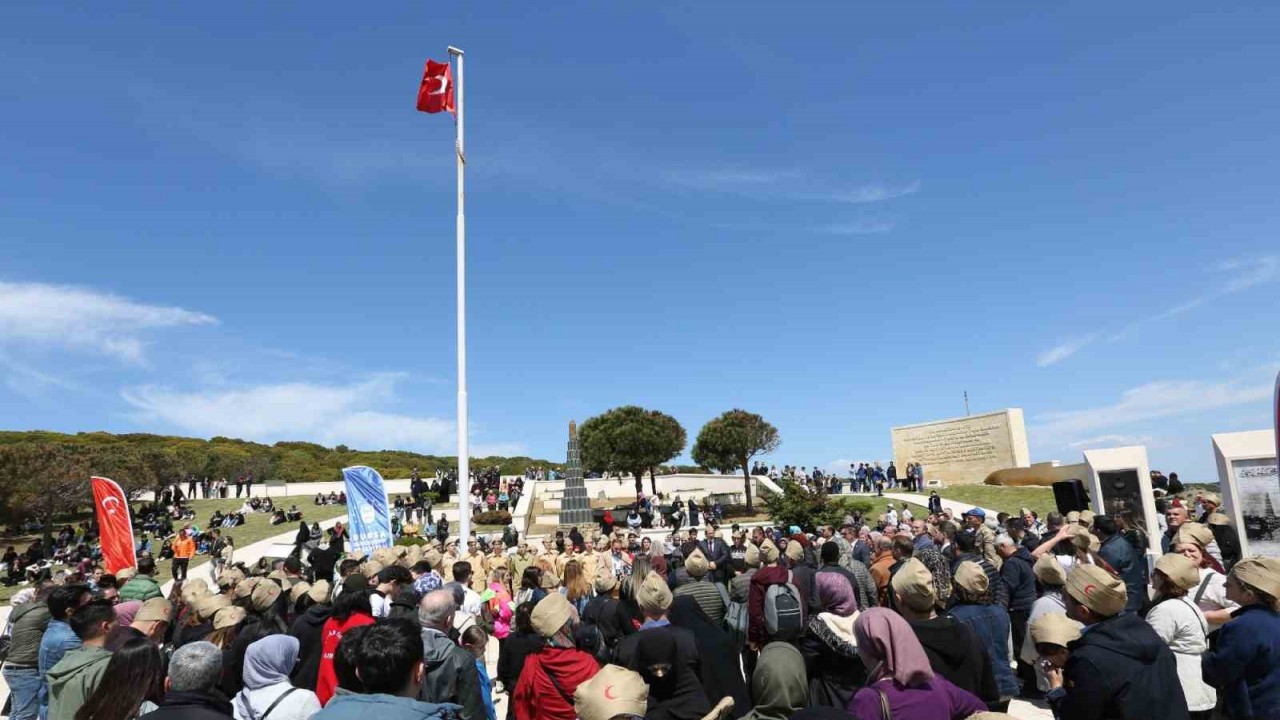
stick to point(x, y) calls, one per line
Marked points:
point(455, 51)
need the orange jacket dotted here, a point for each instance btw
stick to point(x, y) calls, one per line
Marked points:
point(184, 548)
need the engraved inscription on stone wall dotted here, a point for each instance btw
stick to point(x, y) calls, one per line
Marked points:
point(965, 450)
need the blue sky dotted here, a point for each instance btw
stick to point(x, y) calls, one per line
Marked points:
point(229, 219)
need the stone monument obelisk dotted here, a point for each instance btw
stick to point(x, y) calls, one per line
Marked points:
point(575, 506)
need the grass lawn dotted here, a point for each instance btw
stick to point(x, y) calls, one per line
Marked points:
point(257, 527)
point(877, 505)
point(1003, 499)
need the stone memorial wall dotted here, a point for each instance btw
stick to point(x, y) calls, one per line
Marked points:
point(963, 450)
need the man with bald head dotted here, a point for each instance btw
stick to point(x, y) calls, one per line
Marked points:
point(451, 671)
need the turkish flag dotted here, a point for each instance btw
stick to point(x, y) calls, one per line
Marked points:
point(436, 91)
point(114, 526)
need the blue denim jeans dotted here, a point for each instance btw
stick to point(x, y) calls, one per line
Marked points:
point(24, 688)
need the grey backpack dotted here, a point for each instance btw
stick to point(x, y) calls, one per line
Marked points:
point(783, 610)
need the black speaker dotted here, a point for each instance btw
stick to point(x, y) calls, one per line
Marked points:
point(1070, 496)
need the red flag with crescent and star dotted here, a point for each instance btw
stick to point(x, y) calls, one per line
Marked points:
point(114, 525)
point(435, 94)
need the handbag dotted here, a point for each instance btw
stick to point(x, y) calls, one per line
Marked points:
point(885, 712)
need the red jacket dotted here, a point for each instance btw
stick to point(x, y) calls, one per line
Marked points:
point(330, 636)
point(536, 696)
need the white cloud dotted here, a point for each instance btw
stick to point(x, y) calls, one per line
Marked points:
point(731, 178)
point(860, 227)
point(386, 431)
point(1064, 350)
point(84, 319)
point(1251, 272)
point(874, 193)
point(1113, 440)
point(788, 184)
point(1245, 274)
point(1152, 401)
point(345, 414)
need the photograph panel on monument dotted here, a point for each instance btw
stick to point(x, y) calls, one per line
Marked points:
point(1257, 484)
point(1120, 492)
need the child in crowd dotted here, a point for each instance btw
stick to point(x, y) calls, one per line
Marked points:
point(476, 640)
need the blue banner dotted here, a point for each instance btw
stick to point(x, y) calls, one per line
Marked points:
point(368, 514)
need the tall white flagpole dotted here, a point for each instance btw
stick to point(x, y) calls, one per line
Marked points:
point(464, 459)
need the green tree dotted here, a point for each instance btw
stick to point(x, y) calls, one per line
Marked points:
point(630, 439)
point(45, 480)
point(802, 507)
point(728, 443)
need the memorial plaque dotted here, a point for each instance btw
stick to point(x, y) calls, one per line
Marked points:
point(1120, 491)
point(963, 450)
point(1257, 484)
point(1250, 487)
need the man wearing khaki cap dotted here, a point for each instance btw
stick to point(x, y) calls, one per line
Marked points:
point(1051, 635)
point(1119, 668)
point(153, 619)
point(954, 650)
point(711, 596)
point(775, 571)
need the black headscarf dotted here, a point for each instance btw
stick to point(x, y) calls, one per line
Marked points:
point(676, 694)
point(720, 678)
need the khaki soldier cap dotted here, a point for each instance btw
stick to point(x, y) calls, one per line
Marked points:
point(611, 692)
point(653, 595)
point(228, 617)
point(1097, 589)
point(971, 577)
point(1054, 629)
point(914, 583)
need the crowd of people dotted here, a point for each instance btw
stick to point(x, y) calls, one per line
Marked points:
point(887, 615)
point(865, 477)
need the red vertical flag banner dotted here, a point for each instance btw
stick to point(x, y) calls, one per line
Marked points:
point(435, 94)
point(114, 525)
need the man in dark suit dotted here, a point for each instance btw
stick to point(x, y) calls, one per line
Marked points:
point(717, 552)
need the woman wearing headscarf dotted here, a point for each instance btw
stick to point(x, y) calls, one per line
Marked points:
point(1182, 626)
point(720, 679)
point(520, 644)
point(1243, 666)
point(778, 683)
point(903, 685)
point(830, 657)
point(267, 689)
point(302, 538)
point(1210, 595)
point(674, 690)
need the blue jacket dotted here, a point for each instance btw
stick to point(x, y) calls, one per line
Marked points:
point(1245, 667)
point(385, 707)
point(57, 640)
point(991, 624)
point(1120, 555)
